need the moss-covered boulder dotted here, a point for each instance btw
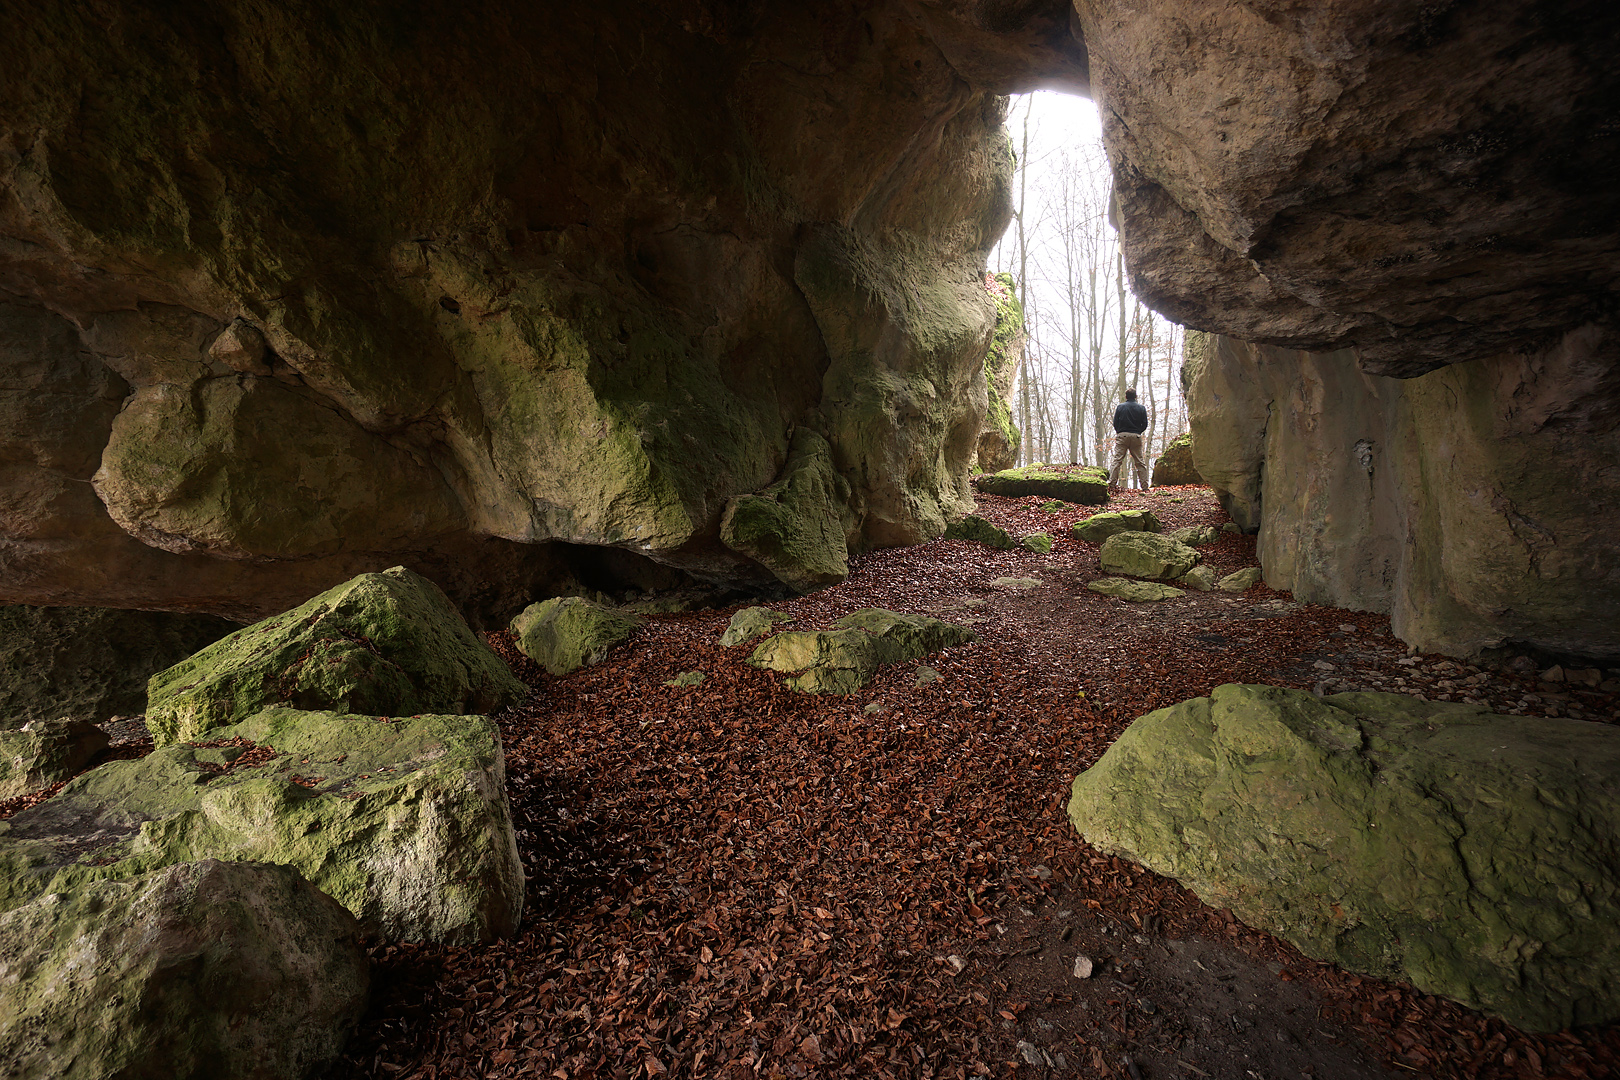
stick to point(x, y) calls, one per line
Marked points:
point(384, 643)
point(1200, 579)
point(796, 528)
point(1099, 527)
point(1195, 535)
point(90, 664)
point(41, 752)
point(1084, 484)
point(404, 821)
point(1240, 580)
point(567, 633)
point(1133, 590)
point(1146, 555)
point(750, 623)
point(1038, 542)
point(205, 969)
point(1469, 853)
point(974, 527)
point(1175, 465)
point(842, 660)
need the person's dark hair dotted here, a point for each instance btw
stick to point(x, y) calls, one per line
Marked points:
point(1130, 395)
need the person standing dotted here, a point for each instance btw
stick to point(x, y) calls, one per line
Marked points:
point(1130, 421)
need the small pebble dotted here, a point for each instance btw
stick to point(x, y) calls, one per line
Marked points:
point(1083, 966)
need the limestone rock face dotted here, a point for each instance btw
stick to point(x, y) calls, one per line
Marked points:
point(1175, 466)
point(999, 439)
point(469, 292)
point(404, 821)
point(1473, 504)
point(842, 660)
point(90, 664)
point(799, 528)
point(1417, 182)
point(384, 644)
point(973, 527)
point(1099, 527)
point(229, 970)
point(1087, 485)
point(1146, 555)
point(1469, 853)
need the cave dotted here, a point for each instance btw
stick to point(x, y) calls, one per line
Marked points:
point(620, 299)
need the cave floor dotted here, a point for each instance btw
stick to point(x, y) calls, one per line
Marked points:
point(733, 879)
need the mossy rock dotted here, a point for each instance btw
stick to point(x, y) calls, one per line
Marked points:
point(686, 678)
point(1470, 854)
point(796, 528)
point(750, 623)
point(842, 660)
point(567, 633)
point(201, 969)
point(973, 527)
point(1146, 555)
point(385, 644)
point(1199, 578)
point(1175, 465)
point(1240, 580)
point(1195, 535)
point(403, 821)
point(1099, 527)
point(1087, 485)
point(1038, 542)
point(1134, 591)
point(42, 752)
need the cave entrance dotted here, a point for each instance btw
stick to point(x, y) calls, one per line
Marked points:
point(1087, 336)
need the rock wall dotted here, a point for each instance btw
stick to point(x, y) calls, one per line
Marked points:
point(291, 293)
point(999, 437)
point(1476, 504)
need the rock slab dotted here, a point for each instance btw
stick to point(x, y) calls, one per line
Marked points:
point(405, 821)
point(1099, 527)
point(1133, 590)
point(1469, 853)
point(844, 659)
point(204, 969)
point(567, 633)
point(385, 644)
point(1087, 486)
point(1146, 555)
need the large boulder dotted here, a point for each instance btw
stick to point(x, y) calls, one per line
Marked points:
point(1099, 527)
point(567, 633)
point(402, 820)
point(1146, 555)
point(842, 660)
point(1175, 466)
point(384, 644)
point(1468, 853)
point(1083, 484)
point(205, 969)
point(799, 527)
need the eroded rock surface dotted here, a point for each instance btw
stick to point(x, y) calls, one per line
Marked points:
point(567, 633)
point(404, 820)
point(1146, 555)
point(229, 970)
point(1469, 853)
point(1473, 504)
point(467, 291)
point(385, 644)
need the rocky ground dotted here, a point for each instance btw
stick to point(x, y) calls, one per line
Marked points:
point(733, 879)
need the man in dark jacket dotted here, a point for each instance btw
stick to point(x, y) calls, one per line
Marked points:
point(1130, 421)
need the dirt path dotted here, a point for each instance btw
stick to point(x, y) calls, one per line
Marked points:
point(734, 880)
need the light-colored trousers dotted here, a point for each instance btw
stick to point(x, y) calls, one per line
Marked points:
point(1126, 443)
